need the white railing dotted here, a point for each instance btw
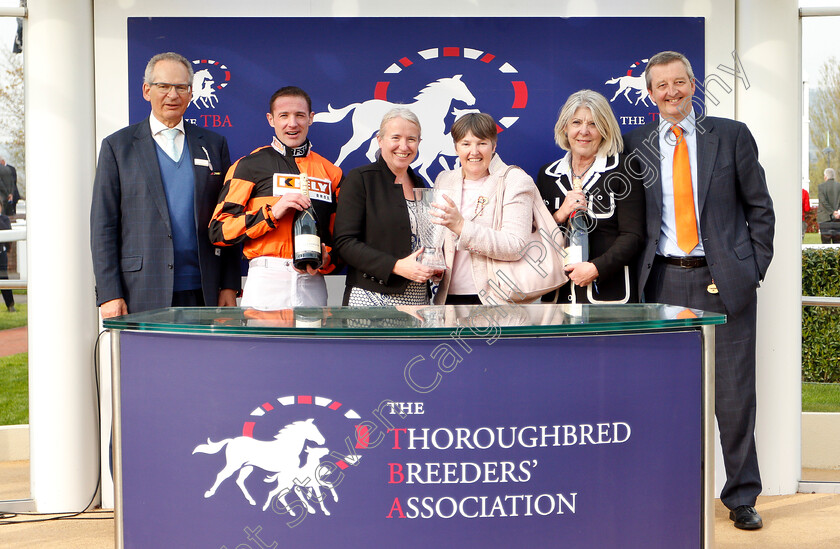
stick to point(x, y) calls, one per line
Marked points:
point(16, 234)
point(821, 301)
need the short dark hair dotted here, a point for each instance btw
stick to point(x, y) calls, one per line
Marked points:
point(292, 91)
point(479, 124)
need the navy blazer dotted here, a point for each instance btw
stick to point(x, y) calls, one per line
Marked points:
point(130, 231)
point(736, 212)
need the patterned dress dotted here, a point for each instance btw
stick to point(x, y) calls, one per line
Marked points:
point(416, 293)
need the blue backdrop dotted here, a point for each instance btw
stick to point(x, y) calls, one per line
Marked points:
point(519, 70)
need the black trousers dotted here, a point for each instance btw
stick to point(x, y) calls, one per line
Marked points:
point(734, 374)
point(8, 296)
point(830, 232)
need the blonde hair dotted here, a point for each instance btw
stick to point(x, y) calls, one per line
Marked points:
point(399, 112)
point(611, 142)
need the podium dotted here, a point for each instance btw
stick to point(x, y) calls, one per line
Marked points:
point(445, 426)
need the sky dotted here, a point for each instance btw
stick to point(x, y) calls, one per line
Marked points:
point(8, 24)
point(819, 42)
point(8, 29)
point(819, 39)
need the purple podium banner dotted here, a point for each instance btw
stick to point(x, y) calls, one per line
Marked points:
point(240, 442)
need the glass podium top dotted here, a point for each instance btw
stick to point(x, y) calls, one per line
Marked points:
point(412, 321)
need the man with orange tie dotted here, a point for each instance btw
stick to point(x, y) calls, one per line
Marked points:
point(710, 227)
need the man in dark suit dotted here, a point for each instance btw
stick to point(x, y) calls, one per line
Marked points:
point(710, 226)
point(827, 211)
point(156, 185)
point(8, 188)
point(8, 296)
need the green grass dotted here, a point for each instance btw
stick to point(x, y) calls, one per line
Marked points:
point(821, 397)
point(812, 238)
point(14, 392)
point(12, 320)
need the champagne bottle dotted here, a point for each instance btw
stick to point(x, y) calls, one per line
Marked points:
point(578, 237)
point(306, 241)
point(578, 249)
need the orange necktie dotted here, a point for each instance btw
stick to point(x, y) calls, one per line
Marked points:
point(683, 196)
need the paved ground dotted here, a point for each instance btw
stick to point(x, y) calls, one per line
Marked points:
point(13, 341)
point(791, 522)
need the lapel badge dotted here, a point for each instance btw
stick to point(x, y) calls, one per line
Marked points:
point(479, 205)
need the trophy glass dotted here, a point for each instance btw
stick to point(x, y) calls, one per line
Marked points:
point(431, 234)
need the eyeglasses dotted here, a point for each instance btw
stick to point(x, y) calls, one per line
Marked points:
point(166, 87)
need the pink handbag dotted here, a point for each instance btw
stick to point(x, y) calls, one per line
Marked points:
point(539, 269)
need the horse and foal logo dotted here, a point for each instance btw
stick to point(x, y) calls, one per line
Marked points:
point(204, 82)
point(281, 458)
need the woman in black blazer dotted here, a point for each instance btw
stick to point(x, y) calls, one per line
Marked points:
point(376, 223)
point(592, 180)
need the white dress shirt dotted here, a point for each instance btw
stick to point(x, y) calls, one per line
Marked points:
point(667, 143)
point(157, 128)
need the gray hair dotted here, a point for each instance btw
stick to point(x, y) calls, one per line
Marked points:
point(605, 121)
point(168, 56)
point(665, 57)
point(399, 112)
point(829, 173)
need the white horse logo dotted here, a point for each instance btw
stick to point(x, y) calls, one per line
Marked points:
point(431, 107)
point(244, 453)
point(627, 84)
point(290, 479)
point(203, 90)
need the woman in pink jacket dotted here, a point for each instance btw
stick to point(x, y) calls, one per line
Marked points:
point(467, 207)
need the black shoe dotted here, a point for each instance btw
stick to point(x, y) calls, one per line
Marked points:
point(746, 518)
point(12, 309)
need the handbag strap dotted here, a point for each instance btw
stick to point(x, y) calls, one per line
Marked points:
point(500, 196)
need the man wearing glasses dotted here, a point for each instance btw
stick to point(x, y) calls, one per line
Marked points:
point(156, 185)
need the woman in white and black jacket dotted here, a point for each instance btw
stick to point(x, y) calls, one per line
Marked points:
point(593, 177)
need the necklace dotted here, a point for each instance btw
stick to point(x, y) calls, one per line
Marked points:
point(577, 180)
point(586, 169)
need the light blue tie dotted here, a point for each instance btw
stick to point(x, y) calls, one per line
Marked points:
point(171, 150)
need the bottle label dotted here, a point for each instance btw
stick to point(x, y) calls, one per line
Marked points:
point(319, 188)
point(307, 322)
point(574, 254)
point(307, 243)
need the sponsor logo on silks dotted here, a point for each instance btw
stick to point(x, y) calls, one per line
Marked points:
point(280, 458)
point(209, 77)
point(319, 189)
point(629, 85)
point(432, 104)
